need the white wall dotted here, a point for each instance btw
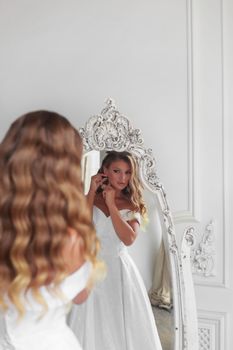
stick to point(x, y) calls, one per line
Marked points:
point(212, 66)
point(168, 65)
point(71, 55)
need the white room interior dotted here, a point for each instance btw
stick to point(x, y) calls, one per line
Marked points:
point(168, 66)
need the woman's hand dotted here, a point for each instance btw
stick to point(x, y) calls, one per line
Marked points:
point(96, 181)
point(109, 195)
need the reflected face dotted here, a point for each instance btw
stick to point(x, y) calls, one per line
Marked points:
point(119, 174)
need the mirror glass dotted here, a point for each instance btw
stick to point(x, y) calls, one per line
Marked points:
point(149, 254)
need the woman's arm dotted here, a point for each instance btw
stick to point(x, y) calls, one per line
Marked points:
point(73, 251)
point(125, 230)
point(74, 259)
point(91, 198)
point(81, 297)
point(96, 181)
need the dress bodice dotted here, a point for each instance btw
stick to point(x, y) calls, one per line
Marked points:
point(110, 243)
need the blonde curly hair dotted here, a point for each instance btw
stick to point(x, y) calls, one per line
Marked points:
point(41, 197)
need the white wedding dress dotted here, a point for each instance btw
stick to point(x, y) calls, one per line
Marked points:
point(117, 314)
point(51, 331)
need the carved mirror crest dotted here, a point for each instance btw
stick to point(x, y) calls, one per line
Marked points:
point(110, 130)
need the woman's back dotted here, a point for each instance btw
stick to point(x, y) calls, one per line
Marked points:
point(46, 232)
point(49, 331)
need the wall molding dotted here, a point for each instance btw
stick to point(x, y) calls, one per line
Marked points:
point(192, 165)
point(184, 216)
point(203, 252)
point(226, 228)
point(203, 255)
point(191, 213)
point(212, 330)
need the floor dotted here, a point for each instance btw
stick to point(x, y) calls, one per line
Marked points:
point(164, 322)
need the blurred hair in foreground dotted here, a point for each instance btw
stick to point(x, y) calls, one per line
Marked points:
point(41, 198)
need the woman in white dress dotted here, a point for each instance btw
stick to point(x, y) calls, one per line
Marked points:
point(48, 245)
point(117, 315)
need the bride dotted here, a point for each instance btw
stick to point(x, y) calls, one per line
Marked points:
point(48, 244)
point(117, 315)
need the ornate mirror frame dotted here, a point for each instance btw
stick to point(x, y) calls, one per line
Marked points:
point(110, 130)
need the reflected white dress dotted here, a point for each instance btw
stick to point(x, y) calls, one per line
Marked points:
point(117, 314)
point(50, 332)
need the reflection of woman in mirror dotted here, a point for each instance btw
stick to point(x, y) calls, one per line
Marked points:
point(47, 243)
point(118, 315)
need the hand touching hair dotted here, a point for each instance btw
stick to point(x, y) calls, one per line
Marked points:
point(41, 198)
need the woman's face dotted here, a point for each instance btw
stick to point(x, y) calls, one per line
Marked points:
point(119, 174)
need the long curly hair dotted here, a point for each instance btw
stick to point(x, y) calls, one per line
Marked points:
point(41, 197)
point(134, 189)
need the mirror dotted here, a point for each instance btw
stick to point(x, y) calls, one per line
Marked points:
point(164, 268)
point(149, 255)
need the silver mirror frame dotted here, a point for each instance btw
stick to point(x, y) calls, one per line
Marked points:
point(110, 130)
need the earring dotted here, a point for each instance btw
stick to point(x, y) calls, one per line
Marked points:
point(128, 189)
